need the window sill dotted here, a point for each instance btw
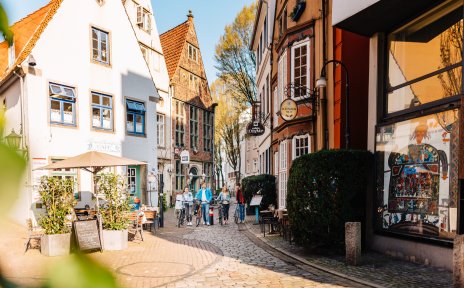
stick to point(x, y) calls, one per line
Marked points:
point(136, 135)
point(103, 130)
point(107, 65)
point(64, 125)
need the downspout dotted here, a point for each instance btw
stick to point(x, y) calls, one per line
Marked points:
point(325, 113)
point(213, 168)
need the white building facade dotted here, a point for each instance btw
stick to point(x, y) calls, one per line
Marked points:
point(86, 96)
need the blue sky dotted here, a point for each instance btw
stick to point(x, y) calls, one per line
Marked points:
point(210, 17)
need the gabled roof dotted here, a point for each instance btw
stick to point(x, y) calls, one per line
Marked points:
point(172, 42)
point(26, 33)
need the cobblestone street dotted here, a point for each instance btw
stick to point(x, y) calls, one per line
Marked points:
point(221, 256)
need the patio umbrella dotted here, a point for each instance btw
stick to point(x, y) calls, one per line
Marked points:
point(93, 162)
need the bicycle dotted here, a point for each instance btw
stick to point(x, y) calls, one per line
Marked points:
point(221, 212)
point(197, 213)
point(181, 220)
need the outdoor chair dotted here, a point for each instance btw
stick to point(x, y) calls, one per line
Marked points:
point(151, 217)
point(34, 233)
point(136, 224)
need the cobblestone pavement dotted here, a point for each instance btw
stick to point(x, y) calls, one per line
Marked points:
point(377, 269)
point(219, 256)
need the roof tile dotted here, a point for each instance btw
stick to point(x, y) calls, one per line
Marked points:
point(172, 42)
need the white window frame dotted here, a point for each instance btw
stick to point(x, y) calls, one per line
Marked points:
point(144, 19)
point(160, 129)
point(145, 53)
point(276, 106)
point(282, 77)
point(100, 33)
point(283, 177)
point(294, 144)
point(292, 64)
point(194, 82)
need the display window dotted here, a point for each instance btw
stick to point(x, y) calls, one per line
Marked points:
point(417, 182)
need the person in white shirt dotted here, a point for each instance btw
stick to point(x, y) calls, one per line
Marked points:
point(188, 204)
point(179, 203)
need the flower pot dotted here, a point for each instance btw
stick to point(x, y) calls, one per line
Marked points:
point(115, 239)
point(55, 244)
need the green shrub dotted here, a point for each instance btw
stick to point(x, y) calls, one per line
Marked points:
point(264, 182)
point(115, 212)
point(57, 195)
point(325, 190)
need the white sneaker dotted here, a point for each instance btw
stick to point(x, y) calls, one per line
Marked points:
point(204, 223)
point(207, 224)
point(190, 224)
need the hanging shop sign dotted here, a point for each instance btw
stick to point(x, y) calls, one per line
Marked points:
point(185, 157)
point(255, 129)
point(288, 109)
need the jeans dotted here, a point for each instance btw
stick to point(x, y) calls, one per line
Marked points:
point(188, 212)
point(225, 209)
point(242, 211)
point(205, 211)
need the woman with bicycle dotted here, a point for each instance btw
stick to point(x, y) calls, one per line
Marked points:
point(224, 200)
point(188, 203)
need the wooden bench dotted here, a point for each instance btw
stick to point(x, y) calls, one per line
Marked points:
point(151, 217)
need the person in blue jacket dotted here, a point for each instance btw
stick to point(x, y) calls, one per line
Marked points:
point(204, 195)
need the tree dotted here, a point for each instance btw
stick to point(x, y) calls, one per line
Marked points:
point(235, 61)
point(228, 126)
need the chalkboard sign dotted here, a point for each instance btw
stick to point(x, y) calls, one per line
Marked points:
point(87, 236)
point(256, 200)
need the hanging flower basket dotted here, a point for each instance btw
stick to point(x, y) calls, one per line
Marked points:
point(298, 10)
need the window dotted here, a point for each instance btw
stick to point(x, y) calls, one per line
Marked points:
point(180, 128)
point(276, 165)
point(255, 165)
point(143, 19)
point(208, 170)
point(282, 77)
point(283, 23)
point(194, 83)
point(135, 119)
point(192, 52)
point(67, 173)
point(276, 107)
point(300, 68)
point(301, 145)
point(248, 166)
point(207, 131)
point(283, 174)
point(102, 111)
point(180, 177)
point(425, 59)
point(145, 53)
point(193, 127)
point(100, 46)
point(132, 180)
point(62, 104)
point(160, 121)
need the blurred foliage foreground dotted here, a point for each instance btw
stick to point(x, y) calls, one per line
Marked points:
point(74, 271)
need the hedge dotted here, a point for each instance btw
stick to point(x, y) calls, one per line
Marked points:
point(264, 182)
point(325, 190)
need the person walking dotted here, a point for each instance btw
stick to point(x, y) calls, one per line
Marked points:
point(188, 204)
point(204, 195)
point(224, 200)
point(240, 202)
point(179, 204)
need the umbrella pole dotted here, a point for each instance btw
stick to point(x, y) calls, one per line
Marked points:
point(99, 217)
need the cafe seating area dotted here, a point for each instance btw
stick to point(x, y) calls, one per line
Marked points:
point(275, 221)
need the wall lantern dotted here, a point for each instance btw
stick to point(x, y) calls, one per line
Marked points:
point(13, 140)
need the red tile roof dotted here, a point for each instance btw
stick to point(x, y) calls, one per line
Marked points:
point(26, 33)
point(172, 42)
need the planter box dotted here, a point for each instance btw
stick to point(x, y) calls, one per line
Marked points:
point(55, 244)
point(115, 239)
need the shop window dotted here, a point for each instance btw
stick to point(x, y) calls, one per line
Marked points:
point(425, 59)
point(417, 181)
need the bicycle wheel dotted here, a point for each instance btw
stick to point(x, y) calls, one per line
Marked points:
point(181, 218)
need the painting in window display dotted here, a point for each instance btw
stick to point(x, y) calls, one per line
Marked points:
point(417, 175)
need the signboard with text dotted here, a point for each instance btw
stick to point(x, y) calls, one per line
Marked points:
point(185, 157)
point(288, 109)
point(255, 129)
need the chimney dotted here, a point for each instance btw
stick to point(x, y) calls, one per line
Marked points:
point(190, 15)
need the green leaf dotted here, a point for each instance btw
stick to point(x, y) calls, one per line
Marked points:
point(79, 271)
point(4, 27)
point(12, 166)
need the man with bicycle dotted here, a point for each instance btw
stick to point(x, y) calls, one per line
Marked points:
point(204, 195)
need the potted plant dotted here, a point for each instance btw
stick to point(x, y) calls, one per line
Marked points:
point(298, 10)
point(57, 195)
point(115, 211)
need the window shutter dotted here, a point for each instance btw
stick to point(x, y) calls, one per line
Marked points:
point(139, 14)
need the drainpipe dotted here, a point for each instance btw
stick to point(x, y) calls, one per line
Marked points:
point(325, 114)
point(213, 169)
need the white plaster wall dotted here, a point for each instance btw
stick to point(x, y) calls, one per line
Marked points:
point(63, 55)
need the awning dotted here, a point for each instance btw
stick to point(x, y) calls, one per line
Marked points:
point(380, 16)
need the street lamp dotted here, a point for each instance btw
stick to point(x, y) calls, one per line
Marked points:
point(13, 140)
point(322, 82)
